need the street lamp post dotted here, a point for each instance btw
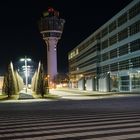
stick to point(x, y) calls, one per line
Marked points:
point(26, 70)
point(26, 74)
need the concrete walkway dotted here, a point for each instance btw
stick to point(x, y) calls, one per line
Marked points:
point(74, 94)
point(25, 95)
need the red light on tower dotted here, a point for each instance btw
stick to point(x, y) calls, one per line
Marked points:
point(50, 9)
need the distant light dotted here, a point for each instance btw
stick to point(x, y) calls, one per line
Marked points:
point(138, 71)
point(22, 59)
point(25, 66)
point(28, 59)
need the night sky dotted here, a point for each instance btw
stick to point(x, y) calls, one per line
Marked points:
point(19, 32)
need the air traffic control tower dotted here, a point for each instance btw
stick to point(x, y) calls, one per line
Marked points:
point(51, 28)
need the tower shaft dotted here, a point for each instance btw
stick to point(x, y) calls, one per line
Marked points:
point(52, 57)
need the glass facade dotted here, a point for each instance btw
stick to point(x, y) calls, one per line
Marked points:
point(114, 49)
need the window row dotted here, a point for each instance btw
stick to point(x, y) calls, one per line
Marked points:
point(122, 50)
point(135, 10)
point(115, 53)
point(88, 52)
point(114, 39)
point(122, 65)
point(88, 62)
point(135, 28)
point(51, 24)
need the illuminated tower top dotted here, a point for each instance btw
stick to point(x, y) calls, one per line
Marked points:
point(51, 25)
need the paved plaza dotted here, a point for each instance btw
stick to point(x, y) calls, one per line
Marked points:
point(68, 119)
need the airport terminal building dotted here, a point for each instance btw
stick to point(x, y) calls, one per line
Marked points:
point(109, 59)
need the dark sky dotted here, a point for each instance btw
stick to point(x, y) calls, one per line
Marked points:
point(19, 33)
